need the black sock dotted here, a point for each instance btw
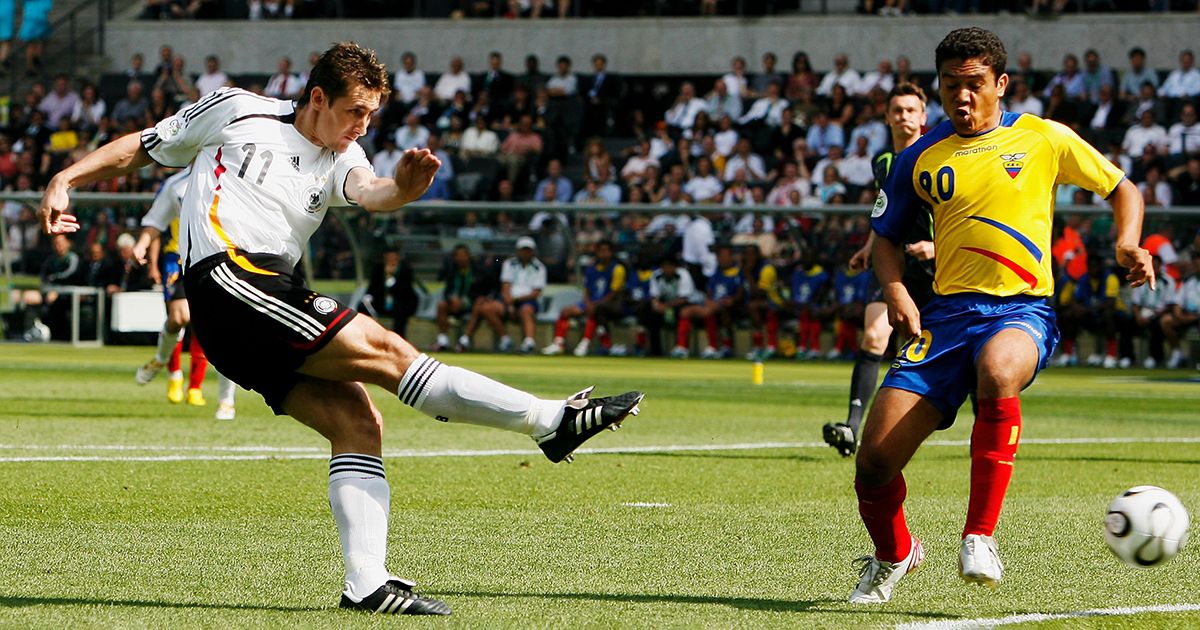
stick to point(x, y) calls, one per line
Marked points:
point(862, 386)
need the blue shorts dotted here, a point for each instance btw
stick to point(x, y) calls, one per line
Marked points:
point(8, 11)
point(517, 304)
point(940, 364)
point(172, 280)
point(35, 23)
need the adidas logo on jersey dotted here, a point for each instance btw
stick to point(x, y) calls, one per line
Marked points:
point(295, 160)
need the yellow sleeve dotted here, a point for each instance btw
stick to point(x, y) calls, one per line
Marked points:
point(618, 279)
point(1080, 163)
point(1112, 287)
point(766, 279)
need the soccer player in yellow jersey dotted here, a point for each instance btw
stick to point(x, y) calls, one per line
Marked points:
point(989, 177)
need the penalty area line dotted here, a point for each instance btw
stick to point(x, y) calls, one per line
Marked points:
point(965, 624)
point(155, 453)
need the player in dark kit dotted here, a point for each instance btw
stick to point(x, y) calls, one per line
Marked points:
point(906, 117)
point(264, 173)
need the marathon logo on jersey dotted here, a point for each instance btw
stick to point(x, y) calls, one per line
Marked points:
point(314, 199)
point(1013, 163)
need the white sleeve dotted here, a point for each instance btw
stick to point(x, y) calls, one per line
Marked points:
point(506, 272)
point(176, 140)
point(165, 208)
point(539, 281)
point(655, 289)
point(353, 158)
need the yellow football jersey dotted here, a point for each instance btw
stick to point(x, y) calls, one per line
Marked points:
point(992, 196)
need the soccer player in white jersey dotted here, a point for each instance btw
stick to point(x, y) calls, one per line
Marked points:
point(263, 174)
point(162, 220)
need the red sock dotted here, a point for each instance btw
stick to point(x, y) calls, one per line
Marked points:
point(710, 327)
point(683, 333)
point(772, 330)
point(882, 511)
point(560, 328)
point(173, 362)
point(756, 339)
point(993, 447)
point(589, 329)
point(641, 338)
point(199, 365)
point(1111, 347)
point(839, 340)
point(1068, 346)
point(814, 335)
point(802, 330)
point(605, 338)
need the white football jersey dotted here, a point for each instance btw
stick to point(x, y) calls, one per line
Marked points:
point(257, 185)
point(165, 209)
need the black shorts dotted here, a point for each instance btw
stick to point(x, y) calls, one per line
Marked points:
point(258, 329)
point(918, 283)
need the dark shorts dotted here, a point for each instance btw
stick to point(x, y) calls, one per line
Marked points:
point(258, 329)
point(939, 365)
point(517, 305)
point(172, 278)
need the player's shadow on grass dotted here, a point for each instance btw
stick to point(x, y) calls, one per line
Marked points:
point(1108, 459)
point(746, 455)
point(828, 605)
point(22, 602)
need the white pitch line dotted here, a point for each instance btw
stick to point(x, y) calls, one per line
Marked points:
point(964, 624)
point(255, 453)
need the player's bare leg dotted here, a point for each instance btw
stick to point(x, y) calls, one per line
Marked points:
point(1005, 365)
point(527, 315)
point(492, 311)
point(363, 351)
point(876, 334)
point(178, 316)
point(899, 422)
point(359, 494)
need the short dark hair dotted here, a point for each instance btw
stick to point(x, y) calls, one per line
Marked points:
point(343, 66)
point(563, 59)
point(908, 88)
point(1136, 50)
point(971, 43)
point(606, 243)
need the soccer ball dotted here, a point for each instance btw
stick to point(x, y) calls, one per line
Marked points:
point(1146, 526)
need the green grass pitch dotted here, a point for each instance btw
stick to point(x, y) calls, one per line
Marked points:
point(137, 513)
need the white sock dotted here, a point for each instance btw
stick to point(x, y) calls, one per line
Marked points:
point(443, 340)
point(452, 394)
point(226, 389)
point(360, 498)
point(177, 375)
point(166, 343)
point(528, 341)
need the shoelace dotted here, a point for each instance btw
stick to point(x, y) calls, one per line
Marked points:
point(882, 573)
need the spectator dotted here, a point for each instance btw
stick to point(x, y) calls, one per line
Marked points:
point(767, 110)
point(831, 190)
point(533, 79)
point(824, 134)
point(408, 81)
point(737, 192)
point(758, 87)
point(1187, 183)
point(759, 235)
point(1147, 101)
point(784, 137)
point(460, 292)
point(842, 109)
point(1096, 76)
point(8, 161)
point(1184, 313)
point(213, 78)
point(635, 170)
point(726, 138)
point(283, 84)
point(598, 163)
point(662, 143)
point(440, 188)
point(136, 70)
point(479, 141)
point(457, 108)
point(131, 108)
point(174, 81)
point(60, 102)
point(1137, 75)
point(1183, 138)
point(881, 77)
point(1070, 79)
point(802, 79)
point(390, 290)
point(745, 159)
point(425, 108)
point(789, 179)
point(496, 82)
point(554, 247)
point(452, 82)
point(872, 129)
point(857, 169)
point(471, 230)
point(1184, 81)
point(1147, 308)
point(735, 80)
point(385, 160)
point(1023, 101)
point(89, 109)
point(564, 84)
point(590, 194)
point(520, 148)
point(600, 99)
point(704, 187)
point(412, 135)
point(1154, 187)
point(159, 107)
point(1104, 119)
point(562, 188)
point(683, 112)
point(842, 74)
point(127, 273)
point(1145, 133)
point(720, 102)
point(522, 280)
point(61, 268)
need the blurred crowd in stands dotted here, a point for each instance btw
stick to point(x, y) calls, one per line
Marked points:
point(521, 9)
point(695, 151)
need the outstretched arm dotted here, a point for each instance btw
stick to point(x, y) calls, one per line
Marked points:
point(118, 157)
point(413, 176)
point(1128, 209)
